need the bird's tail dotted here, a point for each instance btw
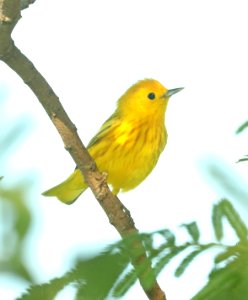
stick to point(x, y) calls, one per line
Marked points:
point(69, 190)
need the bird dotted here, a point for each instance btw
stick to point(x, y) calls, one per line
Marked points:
point(128, 144)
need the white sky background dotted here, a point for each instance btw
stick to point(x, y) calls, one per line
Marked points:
point(91, 52)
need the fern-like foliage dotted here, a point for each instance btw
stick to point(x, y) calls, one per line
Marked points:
point(110, 273)
point(228, 280)
point(93, 277)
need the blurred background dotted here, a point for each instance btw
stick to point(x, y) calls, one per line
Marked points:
point(90, 52)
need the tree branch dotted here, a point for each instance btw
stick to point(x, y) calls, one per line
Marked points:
point(117, 214)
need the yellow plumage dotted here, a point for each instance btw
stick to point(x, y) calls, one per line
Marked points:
point(128, 144)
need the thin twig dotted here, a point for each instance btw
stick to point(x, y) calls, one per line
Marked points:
point(117, 214)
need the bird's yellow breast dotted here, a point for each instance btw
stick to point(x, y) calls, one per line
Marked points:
point(129, 151)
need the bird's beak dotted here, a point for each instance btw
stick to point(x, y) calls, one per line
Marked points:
point(172, 92)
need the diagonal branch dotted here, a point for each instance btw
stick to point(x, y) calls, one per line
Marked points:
point(117, 214)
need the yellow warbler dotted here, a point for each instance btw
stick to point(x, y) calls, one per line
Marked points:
point(128, 144)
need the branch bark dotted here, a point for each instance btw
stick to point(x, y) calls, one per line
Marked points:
point(117, 214)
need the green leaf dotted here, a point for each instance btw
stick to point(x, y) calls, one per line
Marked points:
point(125, 284)
point(218, 287)
point(166, 258)
point(93, 277)
point(234, 219)
point(16, 204)
point(46, 291)
point(147, 240)
point(193, 231)
point(229, 282)
point(100, 273)
point(242, 127)
point(243, 159)
point(189, 258)
point(185, 262)
point(130, 278)
point(230, 252)
point(131, 244)
point(16, 230)
point(168, 235)
point(217, 221)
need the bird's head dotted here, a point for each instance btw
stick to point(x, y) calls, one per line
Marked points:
point(147, 97)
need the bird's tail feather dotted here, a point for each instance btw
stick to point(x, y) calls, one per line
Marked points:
point(69, 190)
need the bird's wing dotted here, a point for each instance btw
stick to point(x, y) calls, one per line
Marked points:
point(104, 130)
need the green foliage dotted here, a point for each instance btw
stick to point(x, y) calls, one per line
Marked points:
point(193, 231)
point(217, 221)
point(234, 219)
point(243, 159)
point(190, 257)
point(15, 215)
point(230, 281)
point(239, 130)
point(92, 277)
point(224, 209)
point(16, 219)
point(242, 127)
point(110, 273)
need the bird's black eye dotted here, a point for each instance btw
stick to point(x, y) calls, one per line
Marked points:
point(151, 96)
